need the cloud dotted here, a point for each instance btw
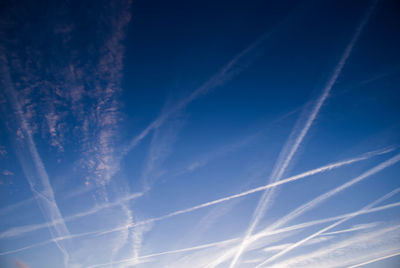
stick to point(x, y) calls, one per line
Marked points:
point(297, 137)
point(7, 173)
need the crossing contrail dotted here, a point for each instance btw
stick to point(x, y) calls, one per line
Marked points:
point(287, 154)
point(323, 230)
point(36, 175)
point(259, 189)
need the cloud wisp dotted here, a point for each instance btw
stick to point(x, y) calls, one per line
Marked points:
point(293, 142)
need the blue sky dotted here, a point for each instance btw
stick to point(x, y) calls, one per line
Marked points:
point(199, 134)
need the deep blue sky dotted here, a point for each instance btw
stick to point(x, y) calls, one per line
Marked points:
point(138, 133)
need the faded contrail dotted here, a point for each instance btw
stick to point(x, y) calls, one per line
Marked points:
point(39, 182)
point(323, 230)
point(226, 73)
point(258, 189)
point(280, 169)
point(375, 260)
point(20, 230)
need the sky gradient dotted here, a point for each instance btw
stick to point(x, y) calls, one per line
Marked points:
point(199, 134)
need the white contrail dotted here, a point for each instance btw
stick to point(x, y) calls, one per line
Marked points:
point(39, 183)
point(254, 237)
point(262, 233)
point(323, 230)
point(375, 260)
point(316, 201)
point(280, 169)
point(258, 189)
point(20, 230)
point(226, 73)
point(211, 203)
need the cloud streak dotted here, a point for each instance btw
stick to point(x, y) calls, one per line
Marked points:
point(292, 145)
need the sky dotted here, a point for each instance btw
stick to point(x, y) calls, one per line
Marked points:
point(199, 134)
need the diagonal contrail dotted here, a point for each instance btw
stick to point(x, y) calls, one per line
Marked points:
point(211, 203)
point(375, 260)
point(258, 189)
point(292, 146)
point(37, 177)
point(329, 227)
point(253, 238)
point(264, 234)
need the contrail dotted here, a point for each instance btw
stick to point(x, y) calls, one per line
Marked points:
point(263, 234)
point(40, 184)
point(253, 238)
point(240, 62)
point(258, 189)
point(280, 169)
point(20, 230)
point(316, 201)
point(323, 230)
point(211, 203)
point(375, 260)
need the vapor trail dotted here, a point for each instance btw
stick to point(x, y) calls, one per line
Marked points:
point(316, 201)
point(375, 260)
point(259, 189)
point(38, 178)
point(20, 230)
point(253, 238)
point(235, 66)
point(323, 230)
point(281, 167)
point(264, 233)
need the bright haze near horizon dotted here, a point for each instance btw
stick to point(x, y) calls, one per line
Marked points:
point(190, 134)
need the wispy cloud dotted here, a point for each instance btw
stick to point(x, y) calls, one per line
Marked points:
point(297, 137)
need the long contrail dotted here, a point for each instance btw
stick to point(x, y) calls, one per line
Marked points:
point(329, 227)
point(264, 234)
point(280, 169)
point(20, 230)
point(316, 201)
point(259, 189)
point(226, 73)
point(211, 203)
point(39, 183)
point(375, 260)
point(254, 237)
